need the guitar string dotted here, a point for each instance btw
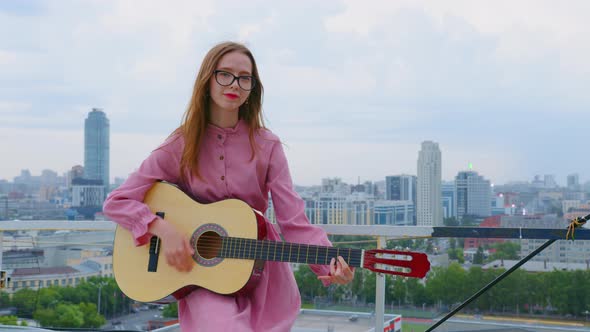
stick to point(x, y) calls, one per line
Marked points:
point(220, 241)
point(354, 261)
point(218, 244)
point(212, 242)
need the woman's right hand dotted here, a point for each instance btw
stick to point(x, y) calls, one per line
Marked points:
point(175, 245)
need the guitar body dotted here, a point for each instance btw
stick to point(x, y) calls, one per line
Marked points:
point(140, 280)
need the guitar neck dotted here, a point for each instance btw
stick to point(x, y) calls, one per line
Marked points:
point(233, 247)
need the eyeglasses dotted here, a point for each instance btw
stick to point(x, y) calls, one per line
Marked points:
point(225, 78)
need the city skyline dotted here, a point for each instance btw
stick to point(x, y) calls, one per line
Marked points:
point(352, 93)
point(351, 181)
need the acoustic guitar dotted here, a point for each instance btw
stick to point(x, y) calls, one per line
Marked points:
point(229, 250)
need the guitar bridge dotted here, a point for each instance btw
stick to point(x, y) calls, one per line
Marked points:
point(155, 245)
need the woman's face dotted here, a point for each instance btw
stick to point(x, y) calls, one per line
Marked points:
point(230, 97)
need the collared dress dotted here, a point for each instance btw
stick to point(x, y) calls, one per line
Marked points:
point(228, 171)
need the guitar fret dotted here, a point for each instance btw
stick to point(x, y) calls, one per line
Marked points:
point(247, 248)
point(244, 248)
point(283, 252)
point(231, 241)
point(240, 249)
point(317, 251)
point(349, 249)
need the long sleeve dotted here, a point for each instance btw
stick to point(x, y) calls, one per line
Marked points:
point(290, 208)
point(125, 204)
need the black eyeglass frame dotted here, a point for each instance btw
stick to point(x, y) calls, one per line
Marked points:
point(215, 72)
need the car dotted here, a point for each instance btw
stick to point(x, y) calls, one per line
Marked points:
point(116, 322)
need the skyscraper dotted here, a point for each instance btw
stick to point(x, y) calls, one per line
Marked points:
point(573, 181)
point(449, 199)
point(96, 147)
point(474, 195)
point(400, 188)
point(428, 202)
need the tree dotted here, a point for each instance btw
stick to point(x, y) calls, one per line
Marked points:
point(49, 297)
point(478, 257)
point(396, 290)
point(171, 310)
point(452, 221)
point(456, 254)
point(468, 221)
point(92, 319)
point(8, 320)
point(506, 250)
point(69, 315)
point(447, 285)
point(4, 299)
point(368, 290)
point(64, 315)
point(24, 300)
point(45, 317)
point(309, 285)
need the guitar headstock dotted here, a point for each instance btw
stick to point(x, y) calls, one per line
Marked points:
point(403, 263)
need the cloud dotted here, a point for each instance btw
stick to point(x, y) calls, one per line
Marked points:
point(489, 81)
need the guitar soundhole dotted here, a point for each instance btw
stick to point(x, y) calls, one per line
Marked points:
point(209, 245)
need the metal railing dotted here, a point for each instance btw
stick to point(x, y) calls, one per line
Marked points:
point(381, 233)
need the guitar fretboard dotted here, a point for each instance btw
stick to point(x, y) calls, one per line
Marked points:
point(242, 248)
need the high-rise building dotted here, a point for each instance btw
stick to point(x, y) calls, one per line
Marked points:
point(573, 182)
point(400, 188)
point(474, 195)
point(549, 180)
point(96, 147)
point(449, 198)
point(428, 201)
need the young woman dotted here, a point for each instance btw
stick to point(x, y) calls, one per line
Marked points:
point(222, 150)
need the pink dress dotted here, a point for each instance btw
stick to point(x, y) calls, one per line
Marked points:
point(225, 164)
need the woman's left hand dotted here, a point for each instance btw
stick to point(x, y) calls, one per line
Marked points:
point(340, 272)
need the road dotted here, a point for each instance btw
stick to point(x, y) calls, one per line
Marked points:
point(134, 321)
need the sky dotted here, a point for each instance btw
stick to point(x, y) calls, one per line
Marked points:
point(351, 87)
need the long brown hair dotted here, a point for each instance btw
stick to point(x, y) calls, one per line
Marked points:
point(197, 115)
